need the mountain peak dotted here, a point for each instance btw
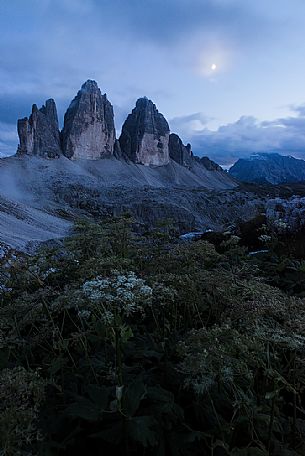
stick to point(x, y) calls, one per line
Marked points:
point(39, 134)
point(145, 135)
point(143, 102)
point(90, 86)
point(89, 131)
point(269, 167)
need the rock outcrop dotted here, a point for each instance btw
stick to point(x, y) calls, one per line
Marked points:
point(39, 134)
point(184, 156)
point(210, 165)
point(179, 152)
point(89, 131)
point(145, 135)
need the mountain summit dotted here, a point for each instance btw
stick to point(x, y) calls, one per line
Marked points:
point(145, 135)
point(89, 131)
point(39, 134)
point(270, 168)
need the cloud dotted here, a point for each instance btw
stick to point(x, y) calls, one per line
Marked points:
point(8, 139)
point(248, 135)
point(158, 21)
point(154, 48)
point(187, 125)
point(51, 46)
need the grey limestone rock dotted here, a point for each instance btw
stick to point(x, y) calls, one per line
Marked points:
point(179, 152)
point(184, 156)
point(145, 135)
point(39, 134)
point(210, 165)
point(89, 131)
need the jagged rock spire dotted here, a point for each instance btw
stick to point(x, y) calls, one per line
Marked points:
point(89, 131)
point(39, 134)
point(145, 135)
point(179, 152)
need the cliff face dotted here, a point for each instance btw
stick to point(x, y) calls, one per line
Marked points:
point(145, 135)
point(39, 134)
point(179, 152)
point(210, 165)
point(89, 131)
point(269, 168)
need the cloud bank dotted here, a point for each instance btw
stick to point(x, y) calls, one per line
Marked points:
point(247, 135)
point(161, 49)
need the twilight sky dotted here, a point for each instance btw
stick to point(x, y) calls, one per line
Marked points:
point(164, 49)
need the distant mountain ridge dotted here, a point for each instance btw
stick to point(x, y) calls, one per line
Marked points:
point(270, 168)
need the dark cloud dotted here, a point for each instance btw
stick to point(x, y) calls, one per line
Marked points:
point(8, 139)
point(45, 43)
point(246, 136)
point(12, 108)
point(165, 21)
point(145, 47)
point(186, 126)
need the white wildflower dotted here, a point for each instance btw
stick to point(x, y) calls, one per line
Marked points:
point(146, 290)
point(264, 238)
point(84, 314)
point(108, 317)
point(121, 293)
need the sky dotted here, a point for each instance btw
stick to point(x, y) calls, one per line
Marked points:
point(228, 75)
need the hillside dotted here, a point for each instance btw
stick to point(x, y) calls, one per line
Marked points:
point(269, 168)
point(34, 190)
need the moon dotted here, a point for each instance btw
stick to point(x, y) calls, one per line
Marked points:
point(213, 67)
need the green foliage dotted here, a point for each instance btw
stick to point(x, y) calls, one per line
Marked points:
point(120, 343)
point(21, 394)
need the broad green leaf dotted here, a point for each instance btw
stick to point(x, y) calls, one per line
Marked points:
point(84, 409)
point(135, 392)
point(57, 364)
point(99, 395)
point(142, 429)
point(112, 435)
point(251, 451)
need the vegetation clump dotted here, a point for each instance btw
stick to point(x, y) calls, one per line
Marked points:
point(126, 343)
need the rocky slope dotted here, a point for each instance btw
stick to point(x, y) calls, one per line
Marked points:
point(65, 190)
point(270, 168)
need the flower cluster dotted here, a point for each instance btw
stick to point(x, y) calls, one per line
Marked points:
point(50, 271)
point(232, 241)
point(220, 355)
point(264, 238)
point(123, 294)
point(280, 225)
